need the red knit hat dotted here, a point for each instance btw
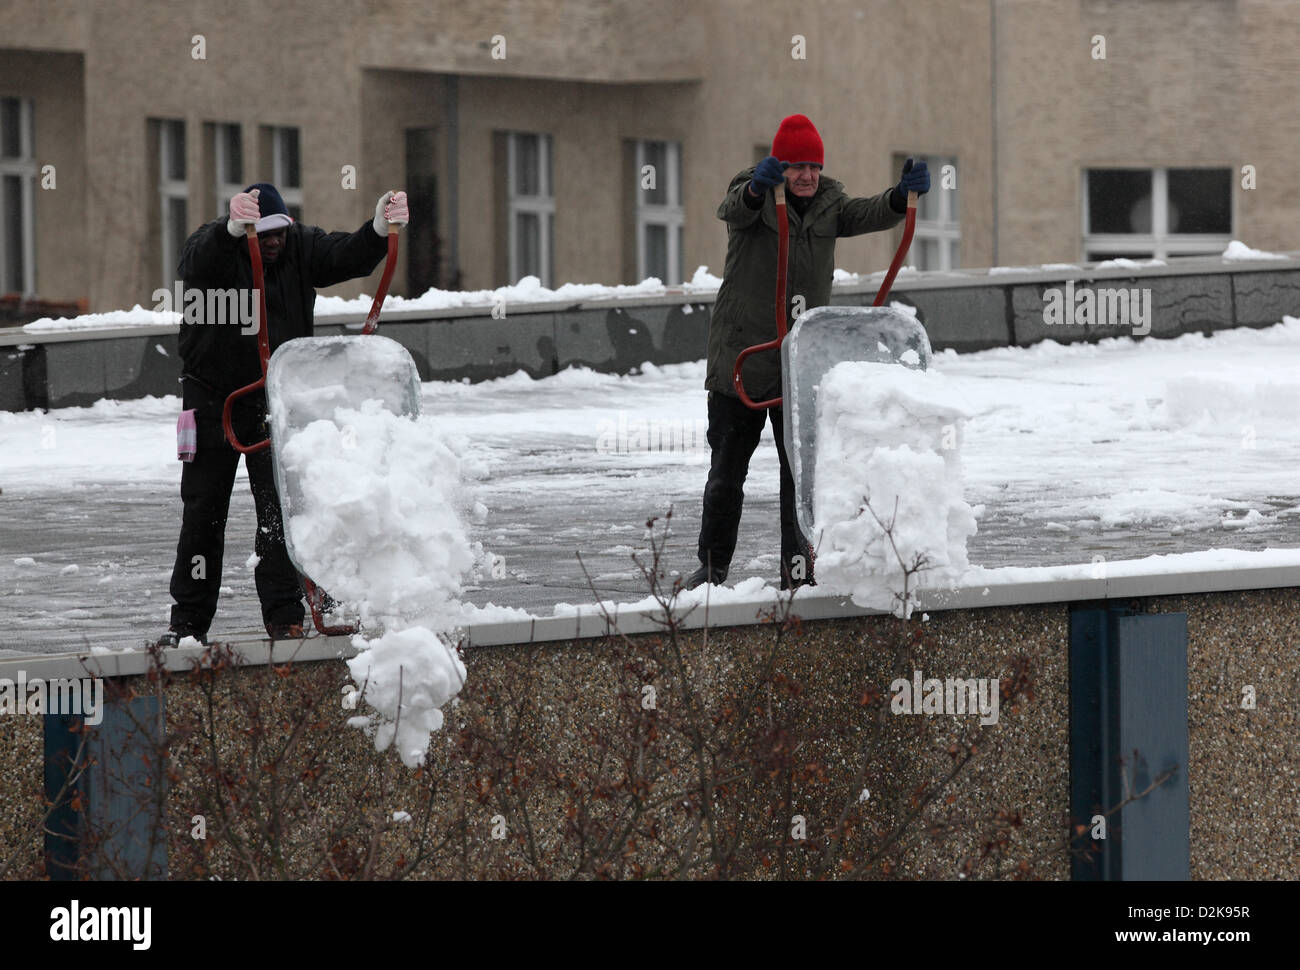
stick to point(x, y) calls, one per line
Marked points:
point(797, 141)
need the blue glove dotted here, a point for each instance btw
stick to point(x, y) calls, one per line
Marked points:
point(916, 178)
point(769, 174)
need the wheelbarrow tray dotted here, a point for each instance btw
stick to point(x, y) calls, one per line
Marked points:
point(820, 339)
point(309, 378)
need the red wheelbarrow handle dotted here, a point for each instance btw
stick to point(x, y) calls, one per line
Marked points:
point(782, 255)
point(909, 225)
point(783, 232)
point(263, 350)
point(372, 318)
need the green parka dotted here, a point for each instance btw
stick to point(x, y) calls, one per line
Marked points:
point(745, 311)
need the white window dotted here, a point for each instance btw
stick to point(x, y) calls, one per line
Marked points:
point(227, 164)
point(17, 187)
point(936, 243)
point(173, 193)
point(1144, 213)
point(286, 168)
point(530, 211)
point(660, 218)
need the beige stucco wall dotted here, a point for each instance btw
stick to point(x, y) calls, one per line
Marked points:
point(53, 82)
point(1184, 82)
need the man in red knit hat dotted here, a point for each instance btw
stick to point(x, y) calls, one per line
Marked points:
point(819, 212)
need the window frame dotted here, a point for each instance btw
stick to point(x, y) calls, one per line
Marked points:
point(1161, 243)
point(290, 192)
point(222, 184)
point(670, 215)
point(946, 229)
point(541, 205)
point(24, 168)
point(172, 238)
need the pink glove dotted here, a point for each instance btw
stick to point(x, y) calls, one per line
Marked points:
point(187, 436)
point(243, 210)
point(391, 208)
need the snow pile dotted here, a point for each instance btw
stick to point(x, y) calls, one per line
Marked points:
point(1239, 250)
point(1230, 403)
point(889, 435)
point(137, 316)
point(377, 520)
point(842, 277)
point(527, 290)
point(406, 676)
point(1123, 262)
point(1042, 268)
point(752, 590)
point(379, 523)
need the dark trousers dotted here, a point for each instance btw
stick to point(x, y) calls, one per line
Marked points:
point(734, 431)
point(206, 483)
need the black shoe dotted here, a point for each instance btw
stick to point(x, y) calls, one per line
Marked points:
point(285, 631)
point(704, 574)
point(174, 636)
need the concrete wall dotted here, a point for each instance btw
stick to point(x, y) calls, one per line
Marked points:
point(551, 704)
point(965, 312)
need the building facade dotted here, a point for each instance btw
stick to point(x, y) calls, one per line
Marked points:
point(591, 140)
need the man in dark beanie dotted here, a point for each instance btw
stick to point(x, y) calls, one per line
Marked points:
point(219, 354)
point(819, 212)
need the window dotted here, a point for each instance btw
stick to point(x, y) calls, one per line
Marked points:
point(227, 164)
point(659, 215)
point(1144, 213)
point(17, 186)
point(286, 168)
point(173, 193)
point(938, 227)
point(423, 247)
point(530, 209)
point(936, 243)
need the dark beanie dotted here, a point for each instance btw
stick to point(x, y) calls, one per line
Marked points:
point(797, 141)
point(275, 214)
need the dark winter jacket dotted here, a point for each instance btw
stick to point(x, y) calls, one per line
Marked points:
point(219, 354)
point(745, 311)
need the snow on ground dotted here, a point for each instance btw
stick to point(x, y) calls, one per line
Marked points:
point(527, 290)
point(1051, 267)
point(1117, 449)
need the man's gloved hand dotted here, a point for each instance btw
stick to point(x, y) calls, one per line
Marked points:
point(916, 178)
point(391, 207)
point(243, 210)
point(769, 174)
